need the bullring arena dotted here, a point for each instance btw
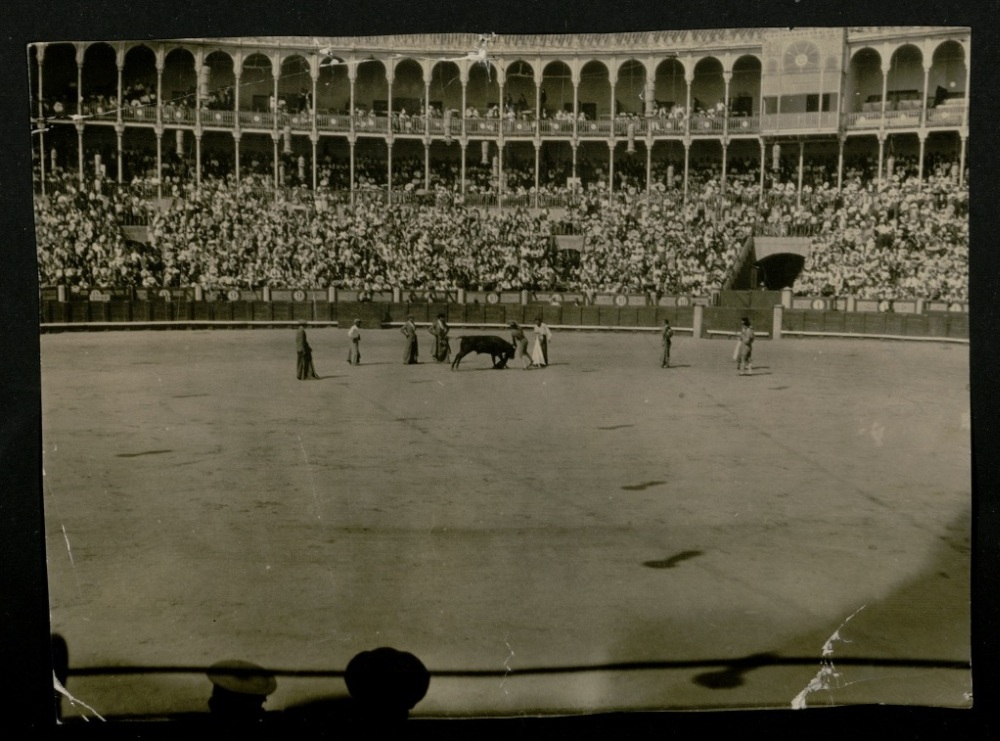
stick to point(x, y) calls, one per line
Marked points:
point(598, 535)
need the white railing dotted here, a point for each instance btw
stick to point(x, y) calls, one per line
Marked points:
point(179, 115)
point(773, 122)
point(365, 124)
point(901, 119)
point(951, 115)
point(519, 128)
point(145, 114)
point(862, 120)
point(298, 121)
point(667, 126)
point(256, 120)
point(707, 124)
point(217, 118)
point(594, 128)
point(550, 127)
point(479, 126)
point(744, 124)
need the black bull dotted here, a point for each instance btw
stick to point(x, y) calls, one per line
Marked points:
point(498, 349)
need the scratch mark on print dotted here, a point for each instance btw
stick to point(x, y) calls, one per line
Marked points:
point(827, 678)
point(65, 693)
point(62, 526)
point(506, 663)
point(312, 481)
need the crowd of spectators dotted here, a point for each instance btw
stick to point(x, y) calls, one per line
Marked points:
point(898, 242)
point(80, 241)
point(869, 239)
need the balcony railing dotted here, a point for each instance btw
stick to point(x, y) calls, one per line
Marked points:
point(519, 128)
point(99, 113)
point(949, 115)
point(798, 121)
point(140, 114)
point(744, 124)
point(707, 125)
point(480, 126)
point(342, 122)
point(550, 127)
point(666, 126)
point(179, 115)
point(218, 118)
point(595, 128)
point(901, 119)
point(256, 120)
point(297, 121)
point(862, 120)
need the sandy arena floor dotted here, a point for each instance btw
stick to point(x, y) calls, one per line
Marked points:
point(598, 535)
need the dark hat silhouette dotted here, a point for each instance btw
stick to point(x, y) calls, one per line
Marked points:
point(387, 680)
point(242, 677)
point(239, 691)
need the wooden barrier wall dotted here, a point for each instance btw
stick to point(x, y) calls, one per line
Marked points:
point(943, 324)
point(374, 315)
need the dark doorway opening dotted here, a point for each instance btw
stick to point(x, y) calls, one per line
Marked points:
point(779, 271)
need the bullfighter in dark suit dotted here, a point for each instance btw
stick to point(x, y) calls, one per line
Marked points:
point(304, 365)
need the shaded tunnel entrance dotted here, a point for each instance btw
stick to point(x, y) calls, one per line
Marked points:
point(778, 271)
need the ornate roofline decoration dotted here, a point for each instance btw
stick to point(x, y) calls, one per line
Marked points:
point(635, 42)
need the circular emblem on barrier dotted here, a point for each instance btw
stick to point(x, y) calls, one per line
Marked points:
point(299, 295)
point(493, 298)
point(884, 305)
point(955, 307)
point(233, 295)
point(819, 303)
point(164, 294)
point(683, 301)
point(621, 300)
point(96, 295)
point(556, 298)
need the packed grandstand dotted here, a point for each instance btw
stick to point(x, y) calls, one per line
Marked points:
point(654, 209)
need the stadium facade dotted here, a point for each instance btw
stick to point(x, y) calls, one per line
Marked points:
point(760, 95)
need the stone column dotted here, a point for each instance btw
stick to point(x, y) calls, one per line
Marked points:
point(699, 321)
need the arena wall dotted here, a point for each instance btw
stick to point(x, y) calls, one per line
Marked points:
point(697, 317)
